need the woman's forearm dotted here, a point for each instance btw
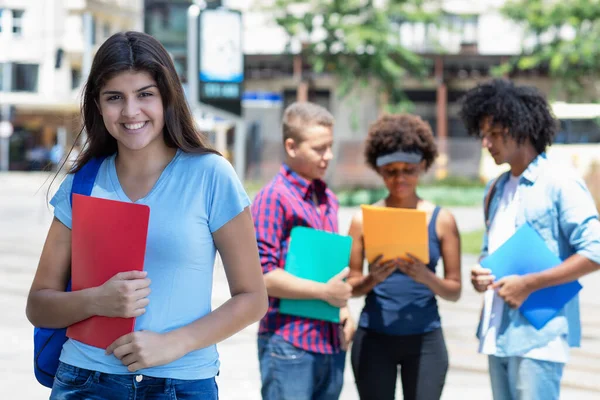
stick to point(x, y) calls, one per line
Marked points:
point(48, 308)
point(361, 285)
point(231, 317)
point(447, 289)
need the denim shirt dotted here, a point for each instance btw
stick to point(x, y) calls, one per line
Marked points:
point(555, 201)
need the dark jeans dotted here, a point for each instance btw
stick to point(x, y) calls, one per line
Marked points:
point(423, 361)
point(290, 373)
point(72, 383)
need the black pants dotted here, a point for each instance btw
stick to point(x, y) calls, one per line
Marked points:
point(423, 362)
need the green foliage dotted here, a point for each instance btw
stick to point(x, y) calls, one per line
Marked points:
point(471, 242)
point(356, 41)
point(565, 38)
point(442, 195)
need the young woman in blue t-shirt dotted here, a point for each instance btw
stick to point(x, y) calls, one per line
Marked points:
point(135, 114)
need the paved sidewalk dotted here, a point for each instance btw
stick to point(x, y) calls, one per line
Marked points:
point(24, 220)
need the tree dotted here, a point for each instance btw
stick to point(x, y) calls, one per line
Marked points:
point(562, 37)
point(356, 40)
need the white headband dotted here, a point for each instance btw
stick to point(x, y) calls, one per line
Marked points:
point(414, 157)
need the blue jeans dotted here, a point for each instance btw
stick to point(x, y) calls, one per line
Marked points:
point(290, 373)
point(78, 383)
point(518, 378)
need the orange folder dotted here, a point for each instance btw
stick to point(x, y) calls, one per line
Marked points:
point(108, 237)
point(394, 232)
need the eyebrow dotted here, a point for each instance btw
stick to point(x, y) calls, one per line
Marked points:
point(137, 91)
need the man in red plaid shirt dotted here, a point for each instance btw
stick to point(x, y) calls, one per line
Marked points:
point(300, 358)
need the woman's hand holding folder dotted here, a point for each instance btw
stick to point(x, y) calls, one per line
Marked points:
point(125, 295)
point(415, 268)
point(379, 271)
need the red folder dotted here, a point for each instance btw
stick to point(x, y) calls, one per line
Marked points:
point(107, 237)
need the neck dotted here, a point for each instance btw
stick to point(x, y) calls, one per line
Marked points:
point(402, 202)
point(290, 163)
point(522, 159)
point(143, 162)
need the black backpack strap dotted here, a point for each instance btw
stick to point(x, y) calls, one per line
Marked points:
point(488, 199)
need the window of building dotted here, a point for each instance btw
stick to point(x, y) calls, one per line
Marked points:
point(75, 78)
point(17, 22)
point(106, 30)
point(1, 77)
point(464, 27)
point(94, 27)
point(1, 20)
point(25, 77)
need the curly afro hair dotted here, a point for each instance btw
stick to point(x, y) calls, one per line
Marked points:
point(522, 110)
point(400, 132)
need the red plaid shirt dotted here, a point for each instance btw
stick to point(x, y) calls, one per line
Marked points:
point(286, 202)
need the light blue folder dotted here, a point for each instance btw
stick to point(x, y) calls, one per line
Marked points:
point(526, 252)
point(318, 256)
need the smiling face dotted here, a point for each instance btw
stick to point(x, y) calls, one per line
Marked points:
point(132, 110)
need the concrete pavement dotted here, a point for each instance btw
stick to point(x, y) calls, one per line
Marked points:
point(24, 220)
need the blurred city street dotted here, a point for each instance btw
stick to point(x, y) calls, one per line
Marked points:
point(25, 218)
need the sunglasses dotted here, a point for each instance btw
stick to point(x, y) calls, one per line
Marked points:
point(396, 172)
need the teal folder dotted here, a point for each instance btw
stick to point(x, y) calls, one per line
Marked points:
point(318, 256)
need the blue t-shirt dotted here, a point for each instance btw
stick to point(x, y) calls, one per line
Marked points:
point(194, 196)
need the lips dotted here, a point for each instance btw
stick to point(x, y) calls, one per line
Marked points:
point(135, 126)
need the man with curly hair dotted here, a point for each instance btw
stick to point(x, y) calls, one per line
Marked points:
point(516, 126)
point(400, 326)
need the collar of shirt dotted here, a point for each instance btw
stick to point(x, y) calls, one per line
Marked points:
point(304, 187)
point(533, 169)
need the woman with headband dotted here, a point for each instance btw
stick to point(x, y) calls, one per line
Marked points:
point(400, 325)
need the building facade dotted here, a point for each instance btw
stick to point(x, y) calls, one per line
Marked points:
point(46, 48)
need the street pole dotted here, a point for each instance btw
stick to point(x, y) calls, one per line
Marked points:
point(193, 77)
point(5, 141)
point(88, 37)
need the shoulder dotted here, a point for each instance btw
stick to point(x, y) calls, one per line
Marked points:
point(560, 172)
point(446, 222)
point(357, 218)
point(272, 191)
point(209, 168)
point(356, 224)
point(207, 161)
point(560, 177)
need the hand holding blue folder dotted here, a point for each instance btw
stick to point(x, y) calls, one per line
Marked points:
point(526, 252)
point(318, 256)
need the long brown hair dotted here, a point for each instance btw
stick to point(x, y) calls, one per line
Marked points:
point(136, 51)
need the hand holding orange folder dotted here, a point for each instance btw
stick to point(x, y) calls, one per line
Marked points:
point(394, 232)
point(108, 237)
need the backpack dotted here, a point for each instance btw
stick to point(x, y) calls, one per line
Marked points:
point(48, 343)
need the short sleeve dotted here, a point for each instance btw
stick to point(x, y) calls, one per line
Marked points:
point(227, 197)
point(578, 218)
point(62, 203)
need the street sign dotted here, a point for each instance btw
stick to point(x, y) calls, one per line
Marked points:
point(220, 59)
point(6, 129)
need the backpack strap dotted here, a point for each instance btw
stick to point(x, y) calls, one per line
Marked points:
point(488, 199)
point(83, 181)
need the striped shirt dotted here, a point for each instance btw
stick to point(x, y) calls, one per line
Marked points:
point(288, 201)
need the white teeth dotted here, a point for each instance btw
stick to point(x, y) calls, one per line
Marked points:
point(134, 126)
